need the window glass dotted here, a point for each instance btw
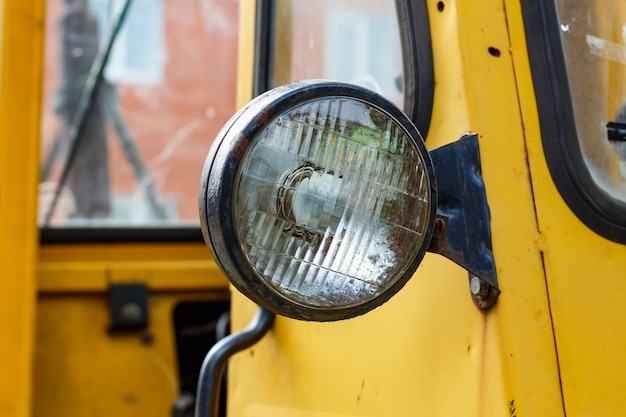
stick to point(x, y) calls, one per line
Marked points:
point(355, 41)
point(593, 34)
point(137, 56)
point(168, 88)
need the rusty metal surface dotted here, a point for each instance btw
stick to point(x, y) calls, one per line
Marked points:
point(464, 232)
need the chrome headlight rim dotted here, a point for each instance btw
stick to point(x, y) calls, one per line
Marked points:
point(218, 188)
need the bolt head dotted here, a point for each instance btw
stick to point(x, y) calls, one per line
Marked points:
point(131, 313)
point(478, 287)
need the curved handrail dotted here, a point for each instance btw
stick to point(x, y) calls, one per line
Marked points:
point(213, 366)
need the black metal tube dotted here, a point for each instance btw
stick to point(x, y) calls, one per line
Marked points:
point(213, 366)
point(263, 76)
point(85, 103)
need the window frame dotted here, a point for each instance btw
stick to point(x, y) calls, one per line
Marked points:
point(598, 210)
point(419, 71)
point(71, 235)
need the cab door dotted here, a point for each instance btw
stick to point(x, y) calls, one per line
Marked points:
point(577, 166)
point(128, 298)
point(429, 350)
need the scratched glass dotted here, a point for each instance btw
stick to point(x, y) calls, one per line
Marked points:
point(593, 33)
point(333, 203)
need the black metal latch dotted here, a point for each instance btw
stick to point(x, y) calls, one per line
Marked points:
point(616, 131)
point(129, 307)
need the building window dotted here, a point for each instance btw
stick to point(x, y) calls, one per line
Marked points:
point(138, 55)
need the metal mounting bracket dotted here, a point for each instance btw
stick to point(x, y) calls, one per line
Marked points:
point(462, 228)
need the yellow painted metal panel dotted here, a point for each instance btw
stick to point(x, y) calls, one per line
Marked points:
point(157, 275)
point(162, 267)
point(520, 323)
point(20, 75)
point(585, 279)
point(82, 370)
point(429, 350)
point(245, 56)
point(123, 252)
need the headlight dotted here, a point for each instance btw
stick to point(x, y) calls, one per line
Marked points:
point(318, 200)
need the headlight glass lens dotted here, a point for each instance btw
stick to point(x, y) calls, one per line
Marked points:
point(331, 203)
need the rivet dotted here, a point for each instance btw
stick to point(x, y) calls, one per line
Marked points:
point(131, 313)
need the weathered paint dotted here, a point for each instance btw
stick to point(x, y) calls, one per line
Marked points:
point(584, 275)
point(429, 350)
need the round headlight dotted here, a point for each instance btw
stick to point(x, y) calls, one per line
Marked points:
point(318, 200)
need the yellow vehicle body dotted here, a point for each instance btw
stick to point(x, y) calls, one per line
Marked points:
point(21, 38)
point(553, 345)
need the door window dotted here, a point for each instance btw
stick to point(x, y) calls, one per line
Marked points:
point(344, 40)
point(577, 51)
point(167, 89)
point(593, 33)
point(383, 45)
